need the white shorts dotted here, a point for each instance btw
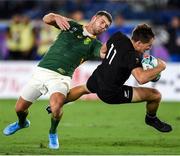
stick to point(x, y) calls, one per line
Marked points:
point(45, 81)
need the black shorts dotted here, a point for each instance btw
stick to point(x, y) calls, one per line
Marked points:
point(107, 94)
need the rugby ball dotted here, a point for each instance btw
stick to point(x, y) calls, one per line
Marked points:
point(149, 62)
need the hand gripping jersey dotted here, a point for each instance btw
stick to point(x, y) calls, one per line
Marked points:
point(70, 49)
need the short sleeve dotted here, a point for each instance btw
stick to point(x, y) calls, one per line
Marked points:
point(134, 60)
point(73, 23)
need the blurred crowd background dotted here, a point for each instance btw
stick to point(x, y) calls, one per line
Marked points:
point(23, 35)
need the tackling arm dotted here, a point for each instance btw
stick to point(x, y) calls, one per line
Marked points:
point(103, 51)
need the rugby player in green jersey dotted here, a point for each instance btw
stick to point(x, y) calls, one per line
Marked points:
point(75, 44)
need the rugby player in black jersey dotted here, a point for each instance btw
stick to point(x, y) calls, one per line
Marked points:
point(123, 58)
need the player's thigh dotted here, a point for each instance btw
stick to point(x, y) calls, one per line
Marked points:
point(61, 86)
point(31, 91)
point(29, 94)
point(119, 96)
point(141, 94)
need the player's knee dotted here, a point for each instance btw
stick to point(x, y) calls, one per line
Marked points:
point(56, 107)
point(56, 101)
point(156, 95)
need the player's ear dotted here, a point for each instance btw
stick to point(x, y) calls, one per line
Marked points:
point(137, 44)
point(93, 18)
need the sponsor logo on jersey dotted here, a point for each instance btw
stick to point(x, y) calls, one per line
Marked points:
point(73, 29)
point(62, 71)
point(87, 40)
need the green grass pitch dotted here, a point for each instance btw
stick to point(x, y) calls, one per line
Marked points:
point(92, 127)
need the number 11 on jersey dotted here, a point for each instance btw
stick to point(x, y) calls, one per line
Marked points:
point(111, 50)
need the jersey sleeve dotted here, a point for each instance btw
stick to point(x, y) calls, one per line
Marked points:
point(134, 60)
point(114, 38)
point(73, 23)
point(95, 50)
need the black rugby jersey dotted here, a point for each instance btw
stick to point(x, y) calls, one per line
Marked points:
point(120, 60)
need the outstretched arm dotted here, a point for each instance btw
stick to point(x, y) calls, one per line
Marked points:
point(57, 20)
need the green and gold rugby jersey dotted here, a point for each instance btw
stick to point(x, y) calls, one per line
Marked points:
point(70, 49)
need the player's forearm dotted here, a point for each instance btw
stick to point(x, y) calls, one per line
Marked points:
point(51, 19)
point(144, 76)
point(150, 74)
point(102, 55)
point(103, 51)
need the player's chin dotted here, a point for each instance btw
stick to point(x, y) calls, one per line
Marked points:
point(141, 51)
point(98, 32)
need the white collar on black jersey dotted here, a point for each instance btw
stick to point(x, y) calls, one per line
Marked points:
point(86, 33)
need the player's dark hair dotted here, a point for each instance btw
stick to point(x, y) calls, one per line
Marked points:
point(142, 33)
point(106, 14)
